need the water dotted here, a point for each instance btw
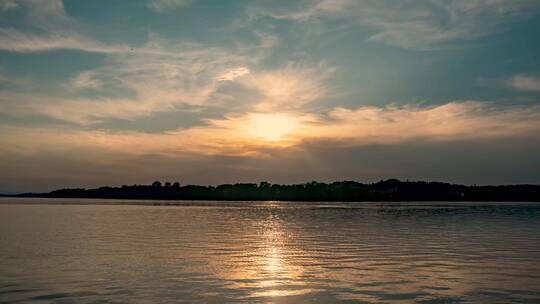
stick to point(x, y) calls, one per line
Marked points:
point(269, 252)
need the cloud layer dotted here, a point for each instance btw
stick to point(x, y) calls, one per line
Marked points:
point(255, 133)
point(292, 84)
point(414, 24)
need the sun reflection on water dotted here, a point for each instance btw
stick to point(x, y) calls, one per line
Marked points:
point(273, 253)
point(263, 268)
point(269, 253)
point(277, 276)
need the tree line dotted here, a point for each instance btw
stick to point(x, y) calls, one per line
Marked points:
point(385, 190)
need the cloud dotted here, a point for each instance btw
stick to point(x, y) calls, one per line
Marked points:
point(524, 83)
point(502, 161)
point(50, 28)
point(159, 76)
point(232, 74)
point(162, 6)
point(76, 110)
point(165, 75)
point(8, 4)
point(256, 133)
point(451, 121)
point(87, 79)
point(15, 41)
point(289, 87)
point(458, 141)
point(415, 24)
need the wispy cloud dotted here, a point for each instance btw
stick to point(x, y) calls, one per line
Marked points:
point(415, 24)
point(8, 4)
point(451, 121)
point(16, 41)
point(232, 74)
point(524, 83)
point(88, 80)
point(289, 87)
point(161, 75)
point(162, 6)
point(49, 28)
point(255, 133)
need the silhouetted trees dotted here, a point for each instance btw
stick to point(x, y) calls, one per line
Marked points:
point(387, 190)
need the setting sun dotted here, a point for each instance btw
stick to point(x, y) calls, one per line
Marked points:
point(271, 127)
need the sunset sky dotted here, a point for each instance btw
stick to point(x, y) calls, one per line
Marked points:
point(120, 92)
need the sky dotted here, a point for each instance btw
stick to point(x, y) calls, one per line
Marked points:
point(207, 92)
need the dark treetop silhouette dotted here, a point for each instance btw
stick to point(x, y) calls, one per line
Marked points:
point(388, 190)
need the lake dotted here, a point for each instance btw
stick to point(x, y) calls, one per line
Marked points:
point(107, 251)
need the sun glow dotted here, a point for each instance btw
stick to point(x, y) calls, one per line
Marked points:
point(271, 127)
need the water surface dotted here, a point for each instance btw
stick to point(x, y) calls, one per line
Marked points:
point(70, 251)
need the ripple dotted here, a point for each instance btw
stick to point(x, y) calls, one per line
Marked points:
point(234, 252)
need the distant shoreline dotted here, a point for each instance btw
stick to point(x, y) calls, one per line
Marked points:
point(41, 201)
point(391, 190)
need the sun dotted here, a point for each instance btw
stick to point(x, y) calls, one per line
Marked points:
point(271, 127)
